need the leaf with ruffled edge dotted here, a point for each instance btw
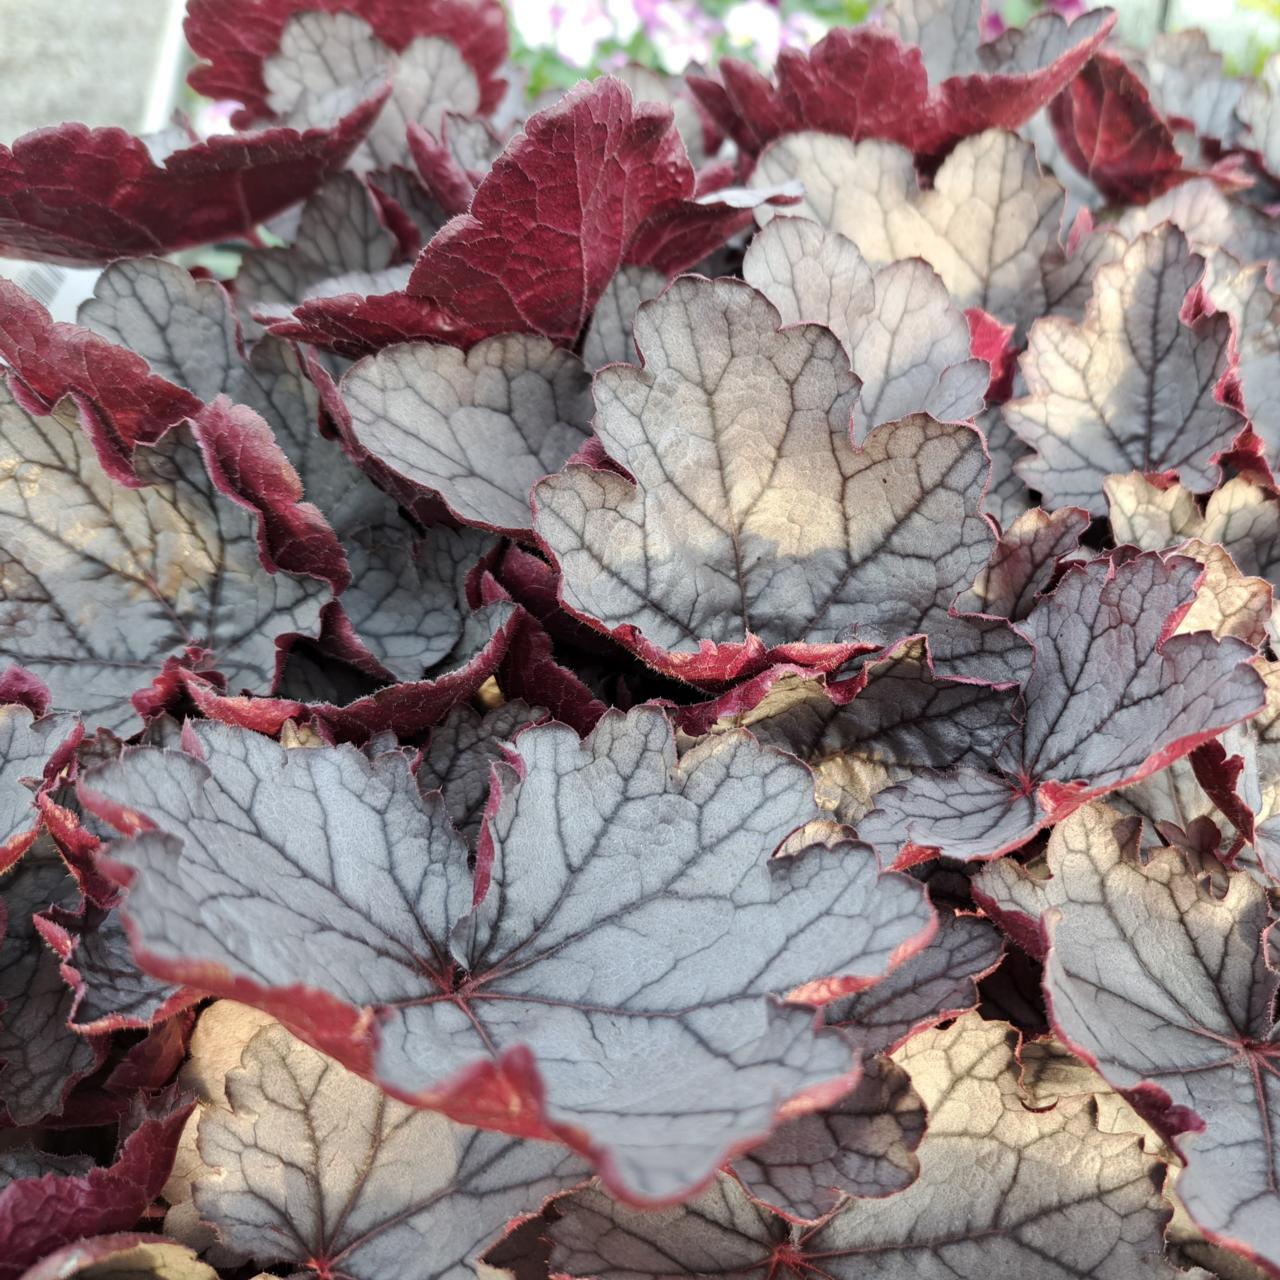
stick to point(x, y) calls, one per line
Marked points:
point(1025, 561)
point(403, 599)
point(754, 530)
point(464, 747)
point(342, 245)
point(79, 195)
point(376, 1190)
point(988, 225)
point(1166, 987)
point(40, 1214)
point(237, 37)
point(1133, 386)
point(1114, 697)
point(593, 183)
point(110, 992)
point(477, 428)
point(321, 53)
point(1002, 1191)
point(1251, 297)
point(906, 340)
point(128, 1256)
point(862, 733)
point(41, 1057)
point(102, 582)
point(32, 753)
point(506, 1003)
point(922, 78)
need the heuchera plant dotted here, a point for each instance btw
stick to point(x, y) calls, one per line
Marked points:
point(680, 685)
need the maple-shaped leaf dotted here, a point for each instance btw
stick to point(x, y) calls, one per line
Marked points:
point(41, 1057)
point(102, 582)
point(923, 78)
point(32, 750)
point(479, 429)
point(1113, 697)
point(1108, 128)
point(403, 598)
point(906, 340)
point(1167, 988)
point(503, 1003)
point(594, 182)
point(124, 1256)
point(988, 225)
point(79, 195)
point(703, 563)
point(1133, 386)
point(376, 1189)
point(238, 37)
point(1002, 1190)
point(39, 1214)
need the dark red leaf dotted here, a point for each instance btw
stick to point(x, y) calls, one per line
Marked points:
point(80, 195)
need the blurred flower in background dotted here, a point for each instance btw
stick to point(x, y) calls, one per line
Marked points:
point(560, 41)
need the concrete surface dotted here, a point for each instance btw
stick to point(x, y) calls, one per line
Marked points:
point(89, 60)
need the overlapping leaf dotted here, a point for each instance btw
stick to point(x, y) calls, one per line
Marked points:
point(753, 525)
point(923, 78)
point(1167, 988)
point(28, 747)
point(375, 1189)
point(1133, 386)
point(103, 582)
point(129, 1256)
point(1109, 130)
point(988, 225)
point(39, 1214)
point(862, 734)
point(1002, 1190)
point(479, 429)
point(404, 599)
point(341, 244)
point(513, 1013)
point(320, 53)
point(1113, 697)
point(905, 339)
point(80, 195)
point(238, 37)
point(40, 1056)
point(592, 183)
